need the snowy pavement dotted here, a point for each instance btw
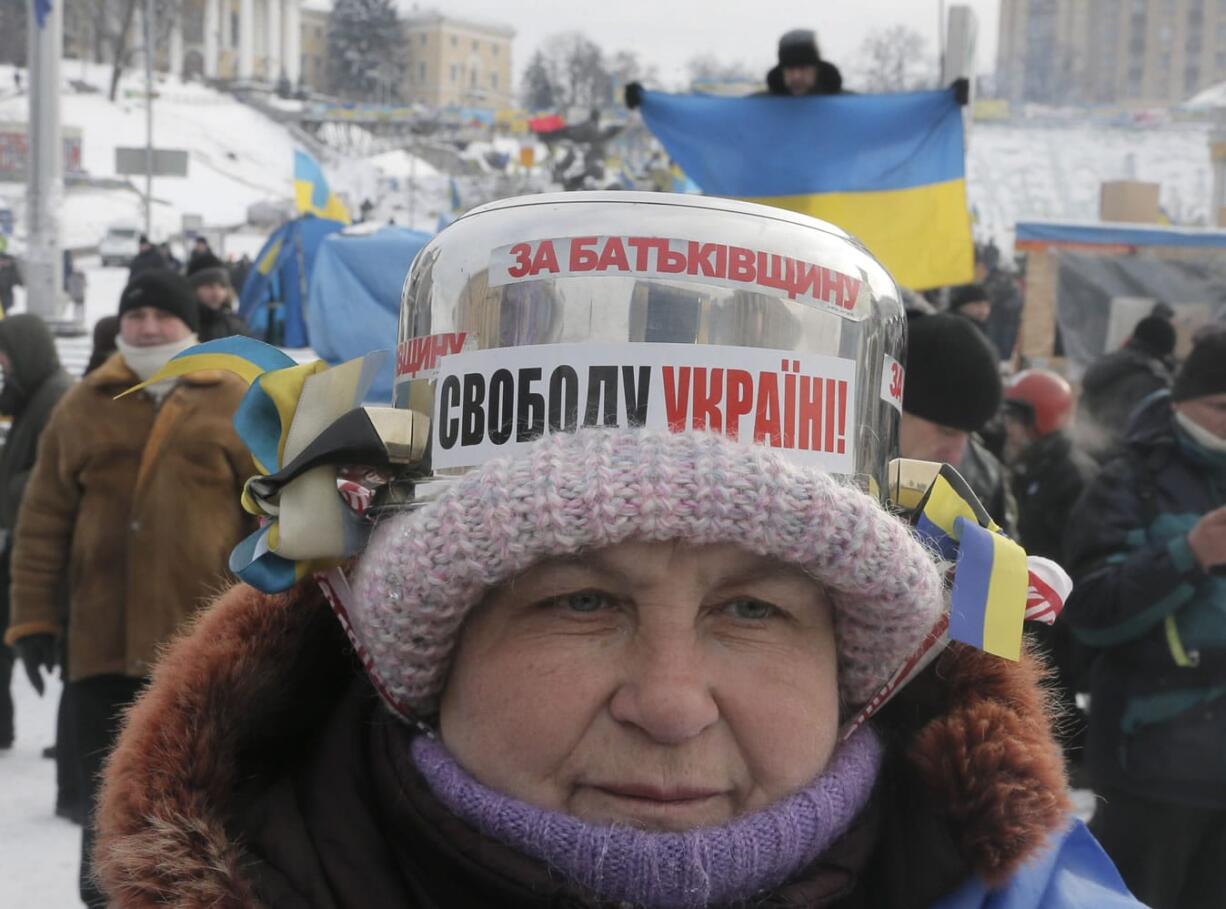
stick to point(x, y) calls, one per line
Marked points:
point(39, 852)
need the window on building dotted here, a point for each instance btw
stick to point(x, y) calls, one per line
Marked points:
point(1219, 61)
point(476, 45)
point(1191, 79)
point(454, 41)
point(493, 80)
point(234, 29)
point(423, 38)
point(454, 69)
point(421, 73)
point(494, 50)
point(472, 78)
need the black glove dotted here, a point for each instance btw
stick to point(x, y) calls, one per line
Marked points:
point(634, 94)
point(36, 651)
point(962, 91)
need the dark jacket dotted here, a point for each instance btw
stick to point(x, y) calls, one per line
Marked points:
point(31, 390)
point(1157, 621)
point(989, 480)
point(1048, 479)
point(1111, 390)
point(220, 323)
point(260, 769)
point(829, 81)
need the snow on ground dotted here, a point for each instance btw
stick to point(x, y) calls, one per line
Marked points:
point(1022, 171)
point(38, 861)
point(237, 156)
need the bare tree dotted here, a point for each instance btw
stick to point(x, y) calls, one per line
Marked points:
point(570, 70)
point(894, 60)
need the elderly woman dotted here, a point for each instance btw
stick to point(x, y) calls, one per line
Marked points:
point(629, 655)
point(632, 665)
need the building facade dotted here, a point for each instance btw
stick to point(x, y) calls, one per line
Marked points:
point(451, 61)
point(1126, 52)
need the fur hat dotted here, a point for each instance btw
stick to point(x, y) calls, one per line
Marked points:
point(162, 289)
point(799, 48)
point(424, 569)
point(953, 373)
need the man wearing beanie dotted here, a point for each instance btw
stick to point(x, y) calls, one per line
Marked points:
point(135, 500)
point(953, 389)
point(1117, 382)
point(1147, 549)
point(210, 281)
point(801, 69)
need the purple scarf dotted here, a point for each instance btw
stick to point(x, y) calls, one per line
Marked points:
point(702, 867)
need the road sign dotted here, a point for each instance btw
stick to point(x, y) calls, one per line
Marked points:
point(167, 162)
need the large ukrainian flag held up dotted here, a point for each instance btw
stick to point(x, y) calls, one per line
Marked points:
point(312, 193)
point(889, 169)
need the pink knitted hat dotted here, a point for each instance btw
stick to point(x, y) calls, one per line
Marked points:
point(426, 568)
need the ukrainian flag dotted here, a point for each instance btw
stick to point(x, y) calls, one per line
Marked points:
point(889, 169)
point(311, 191)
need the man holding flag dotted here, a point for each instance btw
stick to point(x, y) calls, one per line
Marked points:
point(889, 168)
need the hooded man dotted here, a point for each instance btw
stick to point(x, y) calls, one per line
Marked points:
point(801, 69)
point(34, 381)
point(952, 390)
point(1147, 548)
point(210, 281)
point(133, 499)
point(10, 276)
point(1118, 382)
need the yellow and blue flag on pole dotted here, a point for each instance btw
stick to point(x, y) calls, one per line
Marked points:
point(889, 169)
point(312, 194)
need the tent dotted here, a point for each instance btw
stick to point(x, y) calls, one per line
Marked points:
point(275, 291)
point(354, 299)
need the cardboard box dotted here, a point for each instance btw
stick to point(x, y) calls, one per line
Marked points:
point(1128, 200)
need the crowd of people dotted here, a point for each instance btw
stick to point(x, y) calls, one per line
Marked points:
point(617, 669)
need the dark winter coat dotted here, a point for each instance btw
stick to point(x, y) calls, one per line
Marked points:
point(989, 481)
point(10, 275)
point(1111, 390)
point(220, 323)
point(32, 388)
point(1155, 618)
point(260, 769)
point(137, 506)
point(1048, 479)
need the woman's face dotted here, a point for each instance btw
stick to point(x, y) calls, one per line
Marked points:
point(658, 685)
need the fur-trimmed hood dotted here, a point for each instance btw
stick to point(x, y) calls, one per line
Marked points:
point(973, 746)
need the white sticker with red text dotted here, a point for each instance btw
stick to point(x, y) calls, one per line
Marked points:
point(488, 403)
point(417, 358)
point(720, 264)
point(892, 378)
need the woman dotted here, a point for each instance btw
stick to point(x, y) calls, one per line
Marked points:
point(631, 693)
point(625, 666)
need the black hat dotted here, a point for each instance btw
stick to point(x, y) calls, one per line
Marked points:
point(1204, 371)
point(799, 48)
point(967, 293)
point(165, 290)
point(953, 377)
point(206, 268)
point(1155, 335)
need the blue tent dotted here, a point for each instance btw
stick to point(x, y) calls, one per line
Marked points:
point(275, 291)
point(355, 296)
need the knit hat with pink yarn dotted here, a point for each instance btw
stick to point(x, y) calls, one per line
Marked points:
point(424, 569)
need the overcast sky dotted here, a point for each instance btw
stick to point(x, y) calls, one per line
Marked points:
point(667, 33)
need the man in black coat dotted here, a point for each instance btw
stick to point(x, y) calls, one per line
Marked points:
point(1116, 383)
point(1146, 547)
point(148, 259)
point(34, 381)
point(952, 390)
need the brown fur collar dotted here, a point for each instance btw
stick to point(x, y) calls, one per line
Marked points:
point(973, 729)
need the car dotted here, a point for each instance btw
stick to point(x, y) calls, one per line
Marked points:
point(120, 245)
